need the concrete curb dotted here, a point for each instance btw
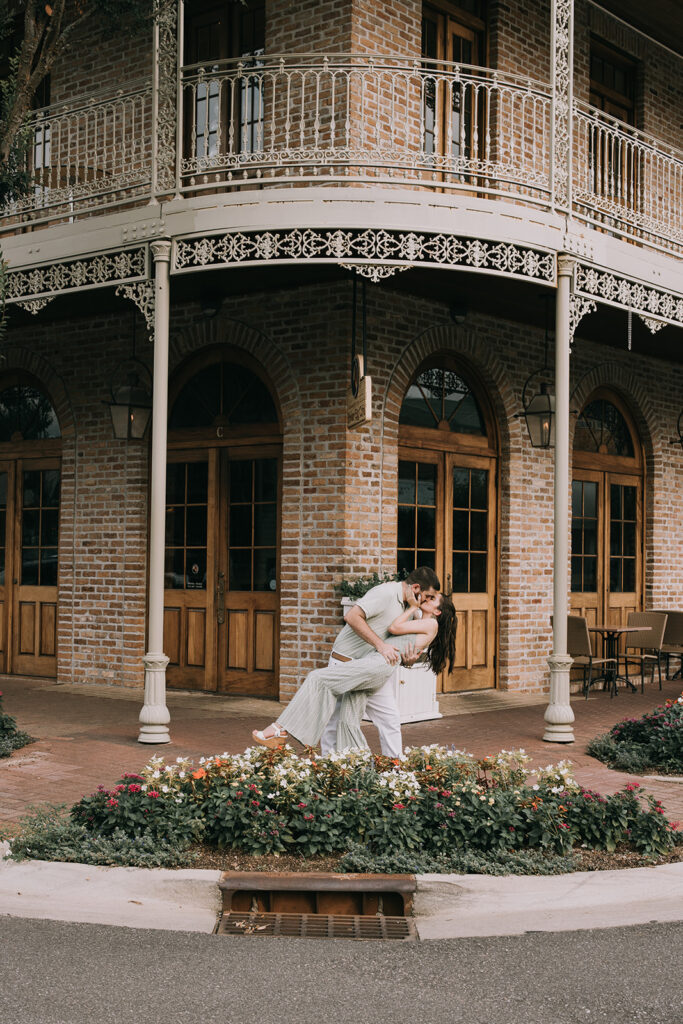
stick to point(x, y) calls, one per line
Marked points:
point(446, 906)
point(185, 900)
point(456, 906)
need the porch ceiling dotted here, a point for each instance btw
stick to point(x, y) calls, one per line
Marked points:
point(660, 19)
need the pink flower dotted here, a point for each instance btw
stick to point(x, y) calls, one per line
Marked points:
point(134, 788)
point(301, 804)
point(112, 803)
point(399, 807)
point(153, 793)
point(308, 817)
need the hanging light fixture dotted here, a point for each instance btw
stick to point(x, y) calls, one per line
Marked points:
point(539, 409)
point(679, 428)
point(131, 401)
point(539, 414)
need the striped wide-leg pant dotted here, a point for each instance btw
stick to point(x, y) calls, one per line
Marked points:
point(309, 711)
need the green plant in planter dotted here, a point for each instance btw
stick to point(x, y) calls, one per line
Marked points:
point(359, 585)
point(11, 738)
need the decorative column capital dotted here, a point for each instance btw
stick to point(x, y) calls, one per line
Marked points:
point(566, 265)
point(161, 250)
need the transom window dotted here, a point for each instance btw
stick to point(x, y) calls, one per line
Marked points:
point(441, 399)
point(602, 428)
point(26, 414)
point(223, 395)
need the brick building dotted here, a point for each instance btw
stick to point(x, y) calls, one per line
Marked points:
point(225, 214)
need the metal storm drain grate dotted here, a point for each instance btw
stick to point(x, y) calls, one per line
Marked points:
point(317, 926)
point(317, 905)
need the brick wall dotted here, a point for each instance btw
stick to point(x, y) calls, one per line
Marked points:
point(339, 487)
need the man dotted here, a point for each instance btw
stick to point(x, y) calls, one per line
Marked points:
point(367, 629)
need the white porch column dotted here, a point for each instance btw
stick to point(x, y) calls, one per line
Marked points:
point(559, 715)
point(154, 716)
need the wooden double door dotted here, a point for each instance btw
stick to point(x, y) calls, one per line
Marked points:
point(221, 614)
point(607, 545)
point(29, 535)
point(447, 520)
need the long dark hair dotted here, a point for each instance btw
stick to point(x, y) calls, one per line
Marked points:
point(441, 651)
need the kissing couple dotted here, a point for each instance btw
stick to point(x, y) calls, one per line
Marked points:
point(394, 622)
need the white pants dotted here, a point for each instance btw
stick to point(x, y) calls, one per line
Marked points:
point(383, 712)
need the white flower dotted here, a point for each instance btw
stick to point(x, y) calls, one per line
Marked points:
point(535, 786)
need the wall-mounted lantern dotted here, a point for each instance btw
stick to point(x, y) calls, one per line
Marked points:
point(131, 404)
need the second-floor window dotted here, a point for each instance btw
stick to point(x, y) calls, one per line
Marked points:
point(613, 157)
point(452, 33)
point(225, 115)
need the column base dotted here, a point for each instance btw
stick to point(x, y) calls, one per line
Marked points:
point(154, 715)
point(559, 715)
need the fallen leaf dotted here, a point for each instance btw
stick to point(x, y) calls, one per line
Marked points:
point(139, 902)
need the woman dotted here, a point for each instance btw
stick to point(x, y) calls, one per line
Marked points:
point(310, 709)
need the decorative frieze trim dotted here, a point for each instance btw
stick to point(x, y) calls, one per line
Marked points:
point(371, 248)
point(34, 306)
point(43, 283)
point(652, 325)
point(376, 272)
point(142, 294)
point(579, 307)
point(614, 290)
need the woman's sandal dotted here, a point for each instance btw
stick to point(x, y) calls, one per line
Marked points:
point(278, 739)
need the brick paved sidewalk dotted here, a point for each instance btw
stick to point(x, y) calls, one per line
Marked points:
point(88, 735)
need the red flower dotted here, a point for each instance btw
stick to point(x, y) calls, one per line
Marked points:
point(153, 793)
point(308, 817)
point(134, 788)
point(399, 807)
point(112, 803)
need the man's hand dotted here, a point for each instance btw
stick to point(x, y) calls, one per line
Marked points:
point(410, 655)
point(391, 655)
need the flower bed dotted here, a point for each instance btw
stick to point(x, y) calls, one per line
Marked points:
point(435, 809)
point(11, 738)
point(651, 743)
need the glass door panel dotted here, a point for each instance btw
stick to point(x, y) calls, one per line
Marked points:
point(606, 539)
point(417, 515)
point(446, 520)
point(189, 570)
point(249, 531)
point(34, 623)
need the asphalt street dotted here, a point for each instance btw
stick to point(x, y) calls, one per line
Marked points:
point(56, 973)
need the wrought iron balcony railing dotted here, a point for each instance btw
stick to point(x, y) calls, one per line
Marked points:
point(352, 120)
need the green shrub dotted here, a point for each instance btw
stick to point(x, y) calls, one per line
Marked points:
point(360, 585)
point(11, 738)
point(137, 809)
point(49, 833)
point(460, 862)
point(434, 801)
point(653, 742)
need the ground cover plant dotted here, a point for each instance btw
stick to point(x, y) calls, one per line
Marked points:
point(652, 743)
point(433, 810)
point(11, 738)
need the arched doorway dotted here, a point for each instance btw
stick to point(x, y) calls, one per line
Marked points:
point(447, 509)
point(221, 617)
point(607, 512)
point(30, 478)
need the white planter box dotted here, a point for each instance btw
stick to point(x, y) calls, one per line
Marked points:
point(415, 691)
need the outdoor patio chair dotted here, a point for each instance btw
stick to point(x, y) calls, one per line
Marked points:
point(672, 645)
point(646, 645)
point(580, 648)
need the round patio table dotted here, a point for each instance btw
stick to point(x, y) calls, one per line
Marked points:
point(611, 635)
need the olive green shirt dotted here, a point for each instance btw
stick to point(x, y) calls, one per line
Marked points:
point(381, 605)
